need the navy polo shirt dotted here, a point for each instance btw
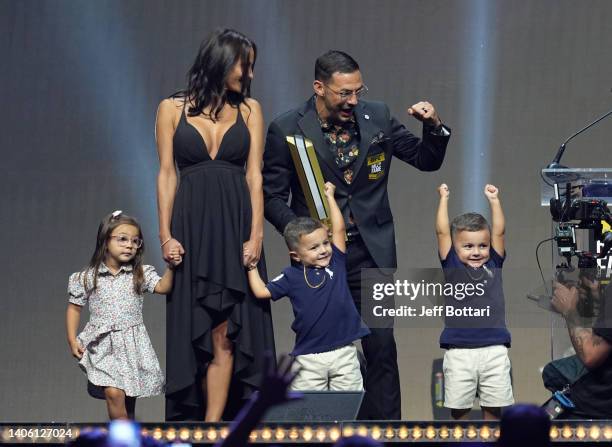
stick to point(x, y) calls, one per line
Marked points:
point(325, 316)
point(476, 332)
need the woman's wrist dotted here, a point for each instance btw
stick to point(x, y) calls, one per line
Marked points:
point(164, 234)
point(163, 242)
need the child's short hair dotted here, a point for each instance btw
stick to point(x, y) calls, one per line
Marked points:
point(469, 222)
point(297, 228)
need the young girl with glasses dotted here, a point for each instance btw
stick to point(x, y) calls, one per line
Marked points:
point(114, 349)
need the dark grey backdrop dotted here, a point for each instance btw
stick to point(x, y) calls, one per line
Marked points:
point(80, 83)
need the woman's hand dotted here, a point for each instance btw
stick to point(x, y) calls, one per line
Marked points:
point(173, 251)
point(251, 252)
point(76, 349)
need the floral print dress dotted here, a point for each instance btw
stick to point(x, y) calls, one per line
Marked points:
point(118, 351)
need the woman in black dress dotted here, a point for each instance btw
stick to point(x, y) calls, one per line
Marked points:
point(216, 331)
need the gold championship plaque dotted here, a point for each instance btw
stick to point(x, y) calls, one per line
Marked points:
point(311, 180)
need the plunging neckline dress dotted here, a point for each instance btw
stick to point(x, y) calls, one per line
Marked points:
point(211, 218)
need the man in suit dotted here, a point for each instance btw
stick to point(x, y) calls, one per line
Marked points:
point(354, 141)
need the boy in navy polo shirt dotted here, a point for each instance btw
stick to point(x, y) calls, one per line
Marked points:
point(326, 321)
point(475, 335)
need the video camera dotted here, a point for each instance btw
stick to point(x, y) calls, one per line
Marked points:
point(572, 214)
point(579, 213)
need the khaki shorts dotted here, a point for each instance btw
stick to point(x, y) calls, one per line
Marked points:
point(336, 370)
point(485, 371)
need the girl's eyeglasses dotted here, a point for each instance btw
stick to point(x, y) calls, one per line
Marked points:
point(124, 241)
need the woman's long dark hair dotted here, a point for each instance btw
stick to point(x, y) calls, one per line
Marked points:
point(207, 76)
point(105, 230)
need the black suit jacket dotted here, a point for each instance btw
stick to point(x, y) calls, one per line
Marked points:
point(382, 137)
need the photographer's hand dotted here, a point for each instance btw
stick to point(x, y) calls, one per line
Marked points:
point(591, 285)
point(591, 349)
point(565, 300)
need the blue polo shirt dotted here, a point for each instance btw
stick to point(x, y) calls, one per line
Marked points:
point(324, 311)
point(476, 332)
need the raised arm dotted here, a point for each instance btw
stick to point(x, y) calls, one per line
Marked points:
point(252, 248)
point(277, 174)
point(426, 154)
point(443, 230)
point(337, 221)
point(498, 221)
point(167, 179)
point(257, 285)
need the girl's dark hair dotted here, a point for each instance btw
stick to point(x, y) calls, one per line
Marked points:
point(207, 76)
point(108, 224)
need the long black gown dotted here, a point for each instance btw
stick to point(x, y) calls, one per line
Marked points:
point(211, 218)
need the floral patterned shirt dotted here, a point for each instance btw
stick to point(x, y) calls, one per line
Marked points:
point(343, 140)
point(114, 303)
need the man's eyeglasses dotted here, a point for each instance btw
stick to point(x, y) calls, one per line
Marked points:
point(124, 241)
point(346, 94)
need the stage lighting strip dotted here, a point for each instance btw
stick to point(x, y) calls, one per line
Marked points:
point(287, 433)
point(271, 433)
